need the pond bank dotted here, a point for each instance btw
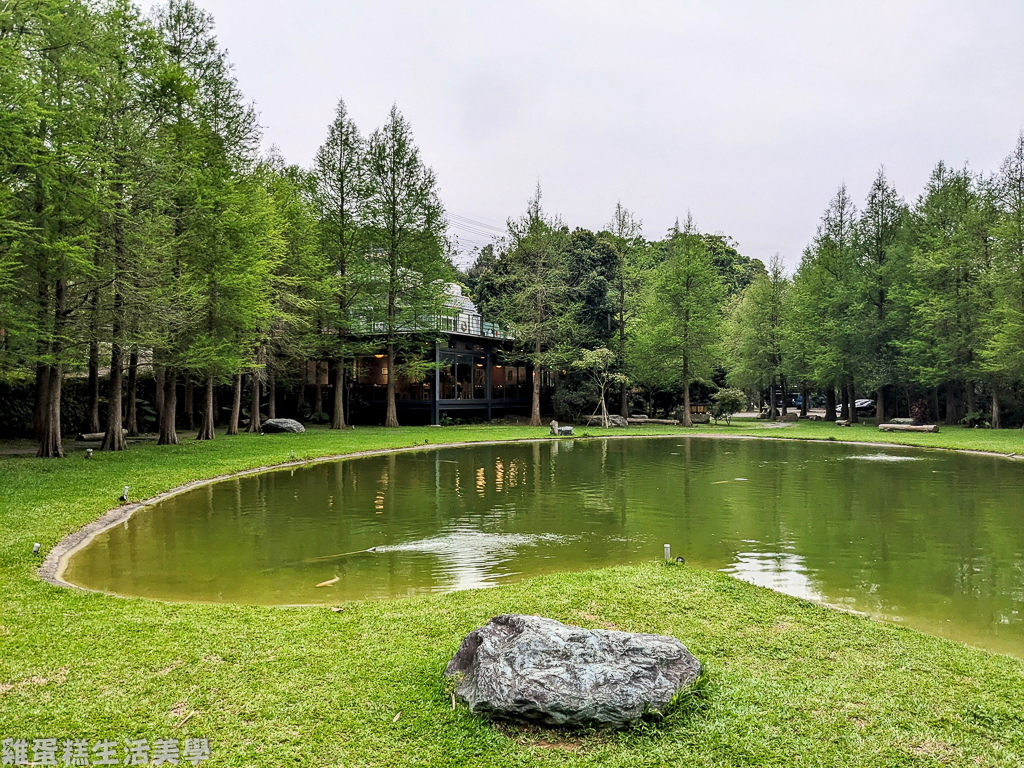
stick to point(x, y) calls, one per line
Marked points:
point(314, 687)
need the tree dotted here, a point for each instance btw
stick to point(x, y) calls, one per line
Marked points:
point(684, 308)
point(626, 231)
point(338, 176)
point(406, 225)
point(528, 290)
point(883, 274)
point(952, 248)
point(755, 333)
point(53, 207)
point(726, 402)
point(127, 195)
point(216, 214)
point(825, 308)
point(598, 366)
point(1003, 352)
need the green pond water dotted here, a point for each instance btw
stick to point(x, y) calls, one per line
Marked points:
point(931, 539)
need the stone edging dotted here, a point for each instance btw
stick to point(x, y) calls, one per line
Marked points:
point(52, 568)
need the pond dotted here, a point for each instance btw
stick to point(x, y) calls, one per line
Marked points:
point(931, 539)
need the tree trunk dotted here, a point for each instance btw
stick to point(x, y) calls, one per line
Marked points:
point(785, 395)
point(996, 421)
point(935, 403)
point(391, 420)
point(168, 430)
point(805, 396)
point(132, 422)
point(92, 419)
point(624, 388)
point(254, 412)
point(271, 397)
point(854, 418)
point(972, 398)
point(880, 405)
point(159, 375)
point(830, 403)
point(773, 412)
point(50, 446)
point(300, 402)
point(318, 390)
point(236, 406)
point(535, 402)
point(42, 400)
point(206, 428)
point(687, 418)
point(338, 419)
point(114, 440)
point(950, 404)
point(189, 410)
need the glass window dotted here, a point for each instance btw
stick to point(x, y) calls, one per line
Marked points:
point(498, 382)
point(479, 378)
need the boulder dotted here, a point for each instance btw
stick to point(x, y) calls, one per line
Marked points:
point(282, 425)
point(539, 670)
point(614, 420)
point(789, 416)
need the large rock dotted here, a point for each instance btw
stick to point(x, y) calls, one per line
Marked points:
point(540, 670)
point(614, 420)
point(282, 425)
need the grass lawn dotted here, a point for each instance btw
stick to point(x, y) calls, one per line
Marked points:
point(792, 683)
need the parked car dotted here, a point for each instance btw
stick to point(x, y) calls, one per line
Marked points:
point(863, 406)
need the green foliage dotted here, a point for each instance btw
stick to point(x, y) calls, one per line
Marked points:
point(681, 326)
point(726, 402)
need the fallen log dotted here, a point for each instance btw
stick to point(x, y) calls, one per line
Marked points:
point(86, 437)
point(909, 427)
point(671, 422)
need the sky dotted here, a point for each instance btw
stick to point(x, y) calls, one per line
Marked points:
point(747, 113)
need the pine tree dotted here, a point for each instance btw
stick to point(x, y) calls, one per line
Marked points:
point(410, 267)
point(685, 310)
point(340, 184)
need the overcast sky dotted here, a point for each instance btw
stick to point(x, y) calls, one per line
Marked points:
point(749, 114)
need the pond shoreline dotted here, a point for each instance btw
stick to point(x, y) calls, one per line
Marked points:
point(54, 564)
point(358, 683)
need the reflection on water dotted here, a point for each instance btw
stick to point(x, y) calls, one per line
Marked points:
point(781, 571)
point(932, 539)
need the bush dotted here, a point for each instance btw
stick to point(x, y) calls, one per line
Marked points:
point(726, 402)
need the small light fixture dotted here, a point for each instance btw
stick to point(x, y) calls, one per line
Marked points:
point(378, 356)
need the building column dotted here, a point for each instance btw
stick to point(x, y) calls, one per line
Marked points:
point(488, 363)
point(435, 413)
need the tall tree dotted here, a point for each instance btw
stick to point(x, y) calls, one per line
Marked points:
point(406, 224)
point(340, 184)
point(685, 310)
point(626, 231)
point(208, 137)
point(826, 304)
point(950, 235)
point(756, 332)
point(528, 290)
point(883, 271)
point(128, 191)
point(1003, 352)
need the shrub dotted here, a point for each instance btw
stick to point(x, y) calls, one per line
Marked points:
point(726, 402)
